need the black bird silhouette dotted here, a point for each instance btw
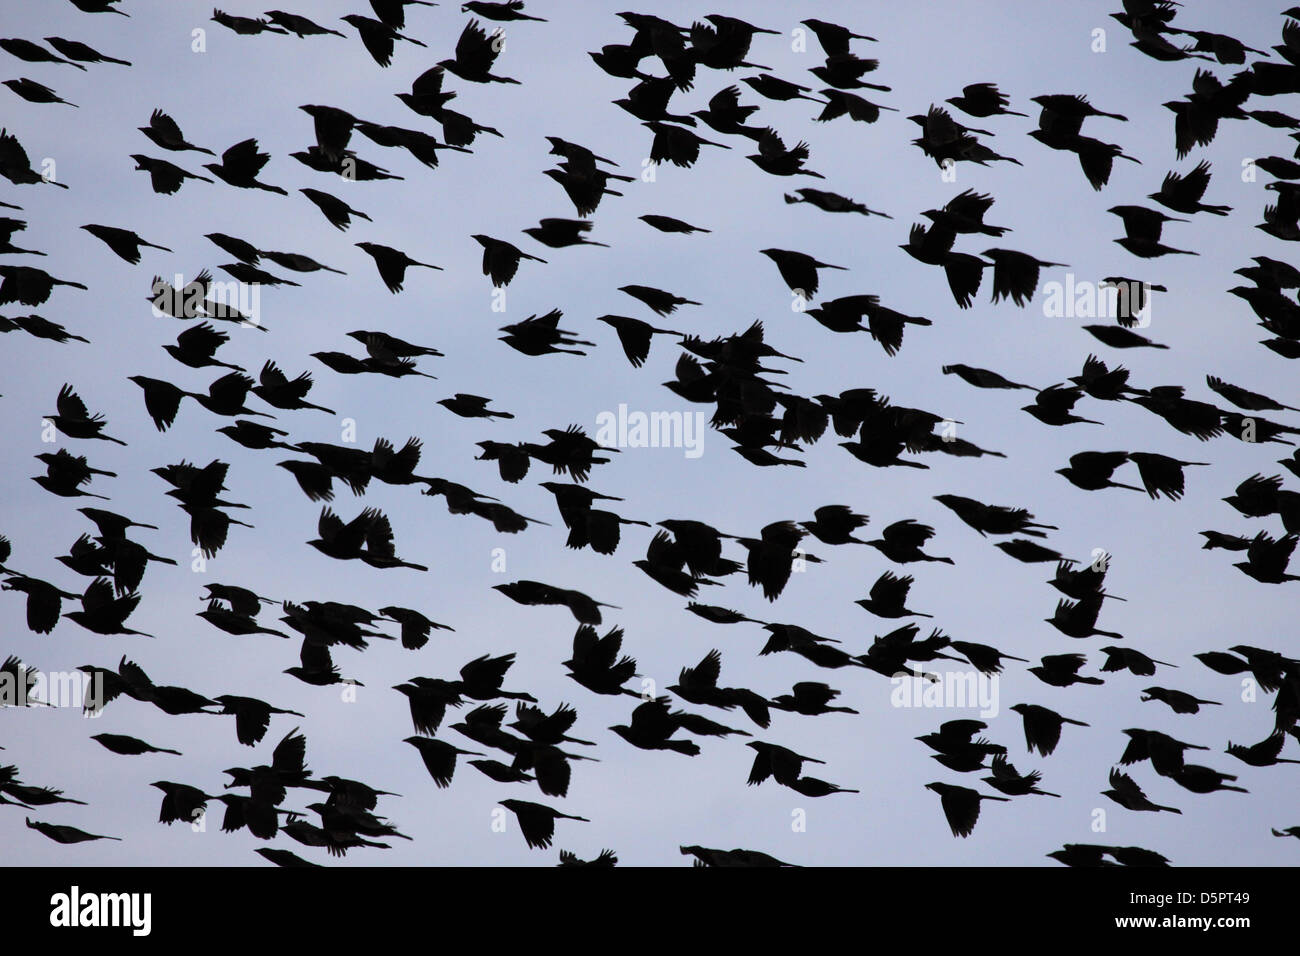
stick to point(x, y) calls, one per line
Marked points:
point(476, 52)
point(981, 100)
point(74, 420)
point(29, 285)
point(888, 597)
point(240, 165)
point(15, 165)
point(76, 50)
point(1125, 791)
point(1263, 754)
point(501, 259)
point(60, 833)
point(559, 233)
point(1042, 727)
point(245, 26)
point(35, 92)
point(1178, 701)
point(1142, 229)
point(163, 131)
point(1131, 660)
point(301, 27)
point(123, 242)
point(129, 746)
point(33, 52)
point(798, 270)
point(961, 806)
point(378, 36)
point(335, 210)
point(902, 541)
point(392, 264)
point(1062, 670)
point(537, 822)
point(166, 178)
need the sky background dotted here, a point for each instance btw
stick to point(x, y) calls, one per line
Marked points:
point(1181, 599)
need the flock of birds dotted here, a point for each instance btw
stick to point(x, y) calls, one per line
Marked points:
point(470, 717)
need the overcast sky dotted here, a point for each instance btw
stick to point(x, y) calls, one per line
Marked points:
point(1181, 599)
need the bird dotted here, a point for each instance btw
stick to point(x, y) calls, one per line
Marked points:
point(706, 856)
point(501, 259)
point(1006, 779)
point(392, 264)
point(901, 542)
point(476, 53)
point(1142, 229)
point(510, 11)
point(165, 178)
point(1263, 754)
point(29, 285)
point(1062, 670)
point(961, 806)
point(335, 210)
point(1125, 791)
point(1054, 406)
point(129, 746)
point(125, 243)
point(439, 757)
point(74, 419)
point(1131, 660)
point(245, 26)
point(651, 725)
point(798, 270)
point(1183, 193)
point(1162, 474)
point(888, 595)
point(1178, 701)
point(33, 52)
point(1042, 727)
point(994, 519)
point(378, 36)
point(982, 378)
point(982, 100)
point(164, 132)
point(298, 25)
point(537, 821)
point(240, 165)
point(1015, 274)
point(61, 833)
point(560, 233)
point(660, 302)
point(1267, 558)
point(35, 92)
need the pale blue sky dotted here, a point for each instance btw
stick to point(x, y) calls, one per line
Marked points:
point(1182, 600)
